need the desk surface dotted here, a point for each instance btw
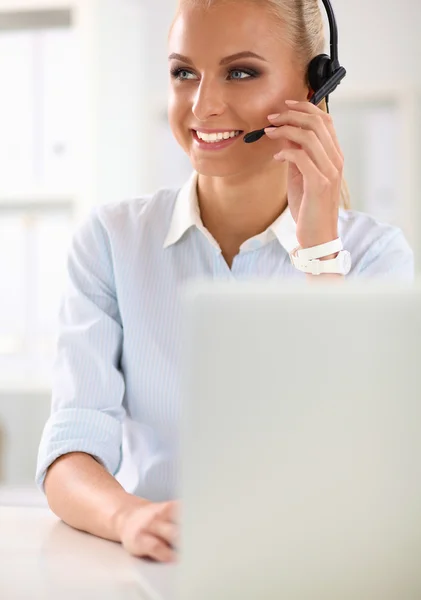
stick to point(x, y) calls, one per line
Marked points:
point(44, 559)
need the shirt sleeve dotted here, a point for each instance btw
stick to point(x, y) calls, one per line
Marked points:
point(390, 257)
point(87, 384)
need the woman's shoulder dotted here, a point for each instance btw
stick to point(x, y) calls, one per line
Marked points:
point(144, 208)
point(362, 229)
point(376, 247)
point(115, 227)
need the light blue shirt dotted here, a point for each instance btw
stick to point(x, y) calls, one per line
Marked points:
point(116, 378)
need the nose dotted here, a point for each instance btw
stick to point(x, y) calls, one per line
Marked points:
point(209, 101)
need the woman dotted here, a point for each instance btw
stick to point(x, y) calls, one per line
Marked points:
point(244, 209)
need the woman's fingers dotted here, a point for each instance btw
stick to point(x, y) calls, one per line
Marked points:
point(166, 531)
point(306, 167)
point(310, 142)
point(306, 116)
point(150, 530)
point(169, 511)
point(153, 547)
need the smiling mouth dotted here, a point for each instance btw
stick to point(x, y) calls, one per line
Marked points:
point(215, 138)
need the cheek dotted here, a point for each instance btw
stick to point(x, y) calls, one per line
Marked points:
point(176, 115)
point(267, 98)
point(173, 107)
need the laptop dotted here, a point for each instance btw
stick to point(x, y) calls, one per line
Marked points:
point(301, 442)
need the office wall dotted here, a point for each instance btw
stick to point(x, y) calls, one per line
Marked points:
point(22, 418)
point(380, 41)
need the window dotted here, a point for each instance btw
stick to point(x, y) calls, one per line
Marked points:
point(37, 120)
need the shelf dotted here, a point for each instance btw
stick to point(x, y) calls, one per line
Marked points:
point(37, 202)
point(26, 387)
point(16, 6)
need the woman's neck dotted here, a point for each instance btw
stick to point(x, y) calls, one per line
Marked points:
point(234, 209)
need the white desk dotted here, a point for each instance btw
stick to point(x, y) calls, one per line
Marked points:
point(43, 559)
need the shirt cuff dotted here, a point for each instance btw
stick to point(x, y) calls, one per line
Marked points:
point(80, 430)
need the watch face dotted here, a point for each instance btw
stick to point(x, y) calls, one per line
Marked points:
point(346, 262)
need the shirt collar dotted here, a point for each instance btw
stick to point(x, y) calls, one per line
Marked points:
point(186, 214)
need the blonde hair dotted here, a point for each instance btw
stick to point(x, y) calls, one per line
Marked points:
point(302, 30)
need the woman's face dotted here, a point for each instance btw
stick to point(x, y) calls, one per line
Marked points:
point(210, 91)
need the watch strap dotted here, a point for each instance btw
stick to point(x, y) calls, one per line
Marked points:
point(338, 265)
point(320, 251)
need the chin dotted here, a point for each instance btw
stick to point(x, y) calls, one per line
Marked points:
point(218, 168)
point(243, 170)
point(212, 170)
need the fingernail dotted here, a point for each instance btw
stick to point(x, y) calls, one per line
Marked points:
point(273, 116)
point(291, 102)
point(269, 129)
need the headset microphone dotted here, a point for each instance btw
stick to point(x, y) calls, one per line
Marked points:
point(324, 73)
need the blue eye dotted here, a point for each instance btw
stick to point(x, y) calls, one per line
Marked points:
point(241, 71)
point(177, 73)
point(183, 74)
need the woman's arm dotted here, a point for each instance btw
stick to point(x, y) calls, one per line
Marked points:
point(87, 409)
point(82, 493)
point(88, 385)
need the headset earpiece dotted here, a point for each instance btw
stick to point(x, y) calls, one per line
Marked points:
point(324, 73)
point(319, 71)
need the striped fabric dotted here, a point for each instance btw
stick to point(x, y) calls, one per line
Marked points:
point(116, 377)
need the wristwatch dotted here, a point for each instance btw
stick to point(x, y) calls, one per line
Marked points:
point(307, 259)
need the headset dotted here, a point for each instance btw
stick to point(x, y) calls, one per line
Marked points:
point(324, 72)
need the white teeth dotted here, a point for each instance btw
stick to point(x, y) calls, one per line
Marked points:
point(216, 137)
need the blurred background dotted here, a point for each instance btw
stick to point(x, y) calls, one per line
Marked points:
point(83, 122)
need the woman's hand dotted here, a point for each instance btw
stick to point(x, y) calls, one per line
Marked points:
point(149, 530)
point(315, 170)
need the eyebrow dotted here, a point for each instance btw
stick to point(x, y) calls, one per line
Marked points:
point(224, 61)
